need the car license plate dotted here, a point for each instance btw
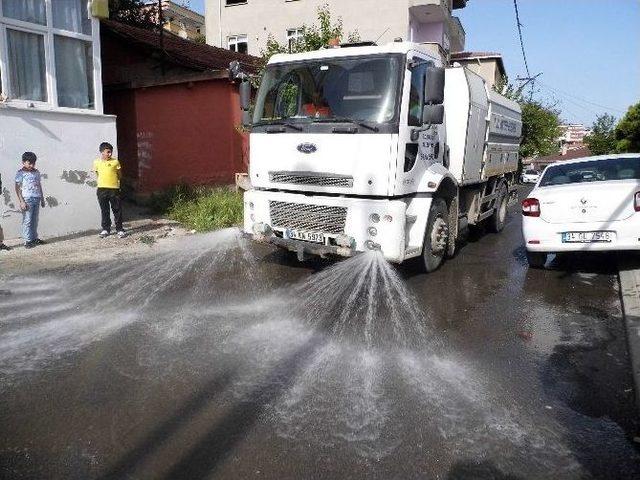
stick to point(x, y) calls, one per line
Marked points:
point(588, 237)
point(303, 235)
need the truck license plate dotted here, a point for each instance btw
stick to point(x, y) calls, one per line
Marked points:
point(588, 237)
point(315, 237)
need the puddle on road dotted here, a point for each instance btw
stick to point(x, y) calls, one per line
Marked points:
point(345, 358)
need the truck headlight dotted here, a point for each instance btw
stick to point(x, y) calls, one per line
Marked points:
point(262, 229)
point(343, 240)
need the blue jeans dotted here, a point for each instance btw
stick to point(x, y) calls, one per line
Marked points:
point(30, 219)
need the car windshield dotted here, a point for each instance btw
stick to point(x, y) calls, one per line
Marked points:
point(335, 89)
point(592, 171)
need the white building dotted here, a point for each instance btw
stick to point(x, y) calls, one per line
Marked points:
point(572, 136)
point(180, 20)
point(51, 91)
point(245, 25)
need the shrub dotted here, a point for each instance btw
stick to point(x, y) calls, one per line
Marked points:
point(200, 208)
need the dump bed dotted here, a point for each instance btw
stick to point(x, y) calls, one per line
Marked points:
point(483, 128)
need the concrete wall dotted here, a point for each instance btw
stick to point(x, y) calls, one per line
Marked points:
point(486, 68)
point(258, 18)
point(66, 145)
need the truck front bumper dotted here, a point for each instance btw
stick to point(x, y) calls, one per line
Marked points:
point(347, 225)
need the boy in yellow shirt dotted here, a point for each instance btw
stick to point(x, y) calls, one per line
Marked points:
point(108, 171)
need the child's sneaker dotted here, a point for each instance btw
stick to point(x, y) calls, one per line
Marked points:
point(30, 244)
point(37, 241)
point(122, 234)
point(4, 247)
point(103, 234)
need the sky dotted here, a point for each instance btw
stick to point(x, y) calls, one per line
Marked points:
point(588, 51)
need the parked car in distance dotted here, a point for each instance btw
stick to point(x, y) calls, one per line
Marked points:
point(529, 176)
point(586, 204)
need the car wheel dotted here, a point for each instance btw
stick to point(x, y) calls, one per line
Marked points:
point(436, 236)
point(536, 259)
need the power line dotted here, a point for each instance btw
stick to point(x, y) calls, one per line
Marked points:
point(573, 102)
point(584, 100)
point(524, 55)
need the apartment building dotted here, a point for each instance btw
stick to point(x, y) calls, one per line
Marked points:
point(572, 136)
point(180, 20)
point(245, 25)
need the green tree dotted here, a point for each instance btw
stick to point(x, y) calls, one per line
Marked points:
point(540, 129)
point(627, 131)
point(540, 122)
point(134, 12)
point(602, 139)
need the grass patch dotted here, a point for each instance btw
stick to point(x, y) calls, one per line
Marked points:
point(147, 240)
point(200, 208)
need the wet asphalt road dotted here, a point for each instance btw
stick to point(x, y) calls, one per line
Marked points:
point(220, 359)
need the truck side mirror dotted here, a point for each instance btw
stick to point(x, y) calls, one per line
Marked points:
point(433, 114)
point(434, 86)
point(245, 95)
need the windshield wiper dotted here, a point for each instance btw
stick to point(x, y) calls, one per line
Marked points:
point(346, 119)
point(279, 122)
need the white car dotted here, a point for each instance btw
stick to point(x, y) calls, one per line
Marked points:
point(587, 204)
point(530, 176)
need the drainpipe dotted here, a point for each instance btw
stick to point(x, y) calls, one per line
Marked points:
point(220, 23)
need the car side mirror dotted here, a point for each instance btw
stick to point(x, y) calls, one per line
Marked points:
point(434, 86)
point(245, 95)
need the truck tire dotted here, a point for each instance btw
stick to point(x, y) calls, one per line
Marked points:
point(536, 259)
point(498, 219)
point(435, 236)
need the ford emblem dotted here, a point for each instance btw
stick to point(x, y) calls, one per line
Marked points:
point(307, 148)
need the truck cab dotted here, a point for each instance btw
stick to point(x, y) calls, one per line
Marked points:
point(349, 152)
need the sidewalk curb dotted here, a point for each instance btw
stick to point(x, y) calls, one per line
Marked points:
point(630, 293)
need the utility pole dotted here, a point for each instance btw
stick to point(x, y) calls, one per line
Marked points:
point(526, 81)
point(161, 26)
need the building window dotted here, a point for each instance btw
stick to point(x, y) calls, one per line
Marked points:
point(27, 70)
point(235, 2)
point(47, 53)
point(238, 43)
point(293, 36)
point(30, 11)
point(74, 72)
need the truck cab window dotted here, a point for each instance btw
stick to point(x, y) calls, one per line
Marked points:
point(416, 96)
point(287, 98)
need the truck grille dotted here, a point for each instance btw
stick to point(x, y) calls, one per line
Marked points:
point(319, 179)
point(316, 218)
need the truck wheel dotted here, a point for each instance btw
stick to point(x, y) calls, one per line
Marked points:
point(499, 217)
point(536, 259)
point(436, 235)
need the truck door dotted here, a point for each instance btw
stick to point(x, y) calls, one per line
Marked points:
point(416, 154)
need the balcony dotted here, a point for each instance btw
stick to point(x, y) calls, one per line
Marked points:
point(457, 35)
point(447, 5)
point(429, 11)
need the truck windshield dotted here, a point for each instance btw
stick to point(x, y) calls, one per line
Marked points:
point(360, 89)
point(592, 171)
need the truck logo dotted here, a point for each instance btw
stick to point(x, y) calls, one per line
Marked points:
point(307, 148)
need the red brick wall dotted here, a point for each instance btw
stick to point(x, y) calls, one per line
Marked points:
point(180, 133)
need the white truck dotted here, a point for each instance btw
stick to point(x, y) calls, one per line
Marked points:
point(376, 148)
